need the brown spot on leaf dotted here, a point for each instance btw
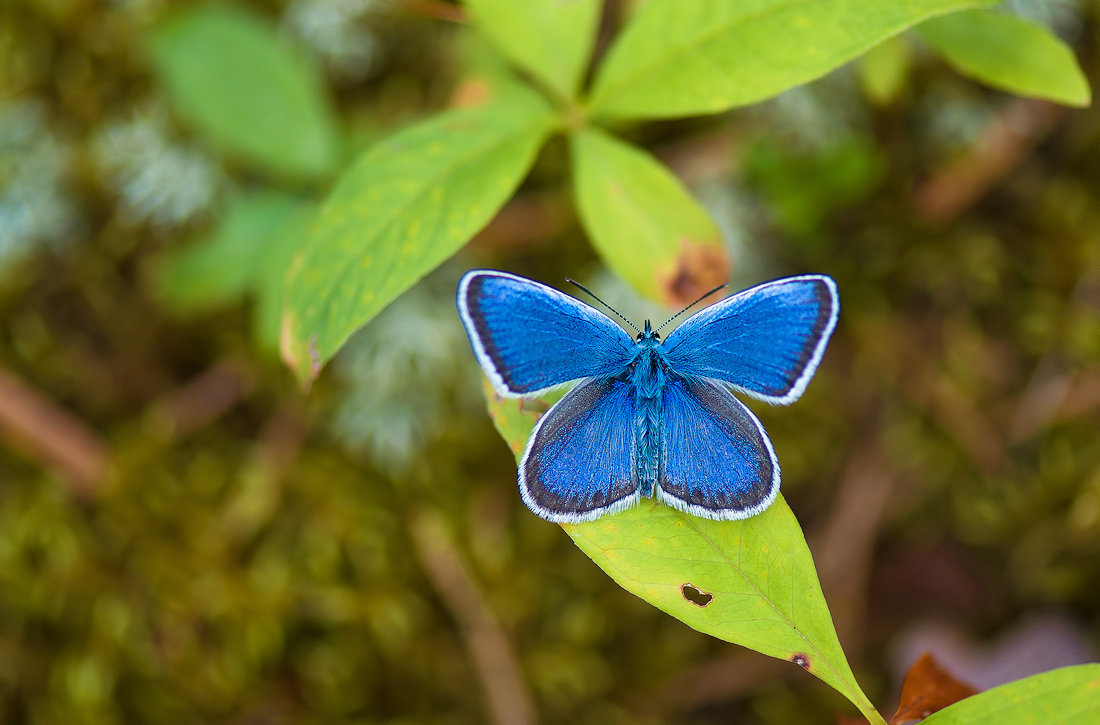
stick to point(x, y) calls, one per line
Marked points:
point(699, 268)
point(802, 660)
point(696, 596)
point(928, 688)
point(471, 92)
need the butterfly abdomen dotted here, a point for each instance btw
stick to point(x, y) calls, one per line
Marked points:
point(648, 378)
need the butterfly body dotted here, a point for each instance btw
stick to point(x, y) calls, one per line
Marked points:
point(649, 417)
point(648, 373)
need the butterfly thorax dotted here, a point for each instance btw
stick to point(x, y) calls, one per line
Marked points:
point(648, 374)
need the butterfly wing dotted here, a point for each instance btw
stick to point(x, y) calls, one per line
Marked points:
point(579, 462)
point(529, 337)
point(716, 459)
point(765, 341)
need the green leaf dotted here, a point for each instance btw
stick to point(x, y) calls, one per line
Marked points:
point(246, 254)
point(749, 582)
point(550, 39)
point(683, 57)
point(1009, 53)
point(803, 187)
point(248, 91)
point(883, 69)
point(644, 222)
point(406, 205)
point(1066, 695)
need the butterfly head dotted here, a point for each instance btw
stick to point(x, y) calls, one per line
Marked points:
point(648, 333)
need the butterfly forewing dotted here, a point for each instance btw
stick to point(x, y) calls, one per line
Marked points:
point(529, 337)
point(579, 462)
point(766, 341)
point(716, 460)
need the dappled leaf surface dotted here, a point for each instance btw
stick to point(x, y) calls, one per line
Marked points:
point(1065, 695)
point(751, 582)
point(683, 57)
point(1009, 53)
point(644, 222)
point(247, 90)
point(406, 205)
point(550, 39)
point(926, 689)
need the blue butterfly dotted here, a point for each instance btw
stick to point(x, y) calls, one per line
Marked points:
point(648, 417)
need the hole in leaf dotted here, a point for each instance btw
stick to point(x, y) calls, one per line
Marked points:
point(801, 660)
point(696, 596)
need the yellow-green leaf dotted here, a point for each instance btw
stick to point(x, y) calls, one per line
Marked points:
point(1009, 53)
point(407, 204)
point(1068, 696)
point(643, 221)
point(550, 39)
point(750, 582)
point(683, 57)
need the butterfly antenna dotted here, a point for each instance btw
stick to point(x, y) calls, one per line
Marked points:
point(581, 286)
point(708, 294)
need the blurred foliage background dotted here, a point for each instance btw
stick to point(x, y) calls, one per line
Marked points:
point(185, 535)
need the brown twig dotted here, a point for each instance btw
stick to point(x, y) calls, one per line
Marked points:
point(509, 700)
point(201, 400)
point(53, 435)
point(1002, 144)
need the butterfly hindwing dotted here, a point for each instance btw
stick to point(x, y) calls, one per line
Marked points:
point(765, 341)
point(579, 462)
point(529, 337)
point(716, 459)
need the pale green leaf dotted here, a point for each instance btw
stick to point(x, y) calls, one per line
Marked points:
point(550, 39)
point(1009, 53)
point(397, 213)
point(1068, 695)
point(643, 221)
point(248, 91)
point(750, 582)
point(683, 57)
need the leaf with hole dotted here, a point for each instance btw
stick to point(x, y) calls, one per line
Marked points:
point(757, 572)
